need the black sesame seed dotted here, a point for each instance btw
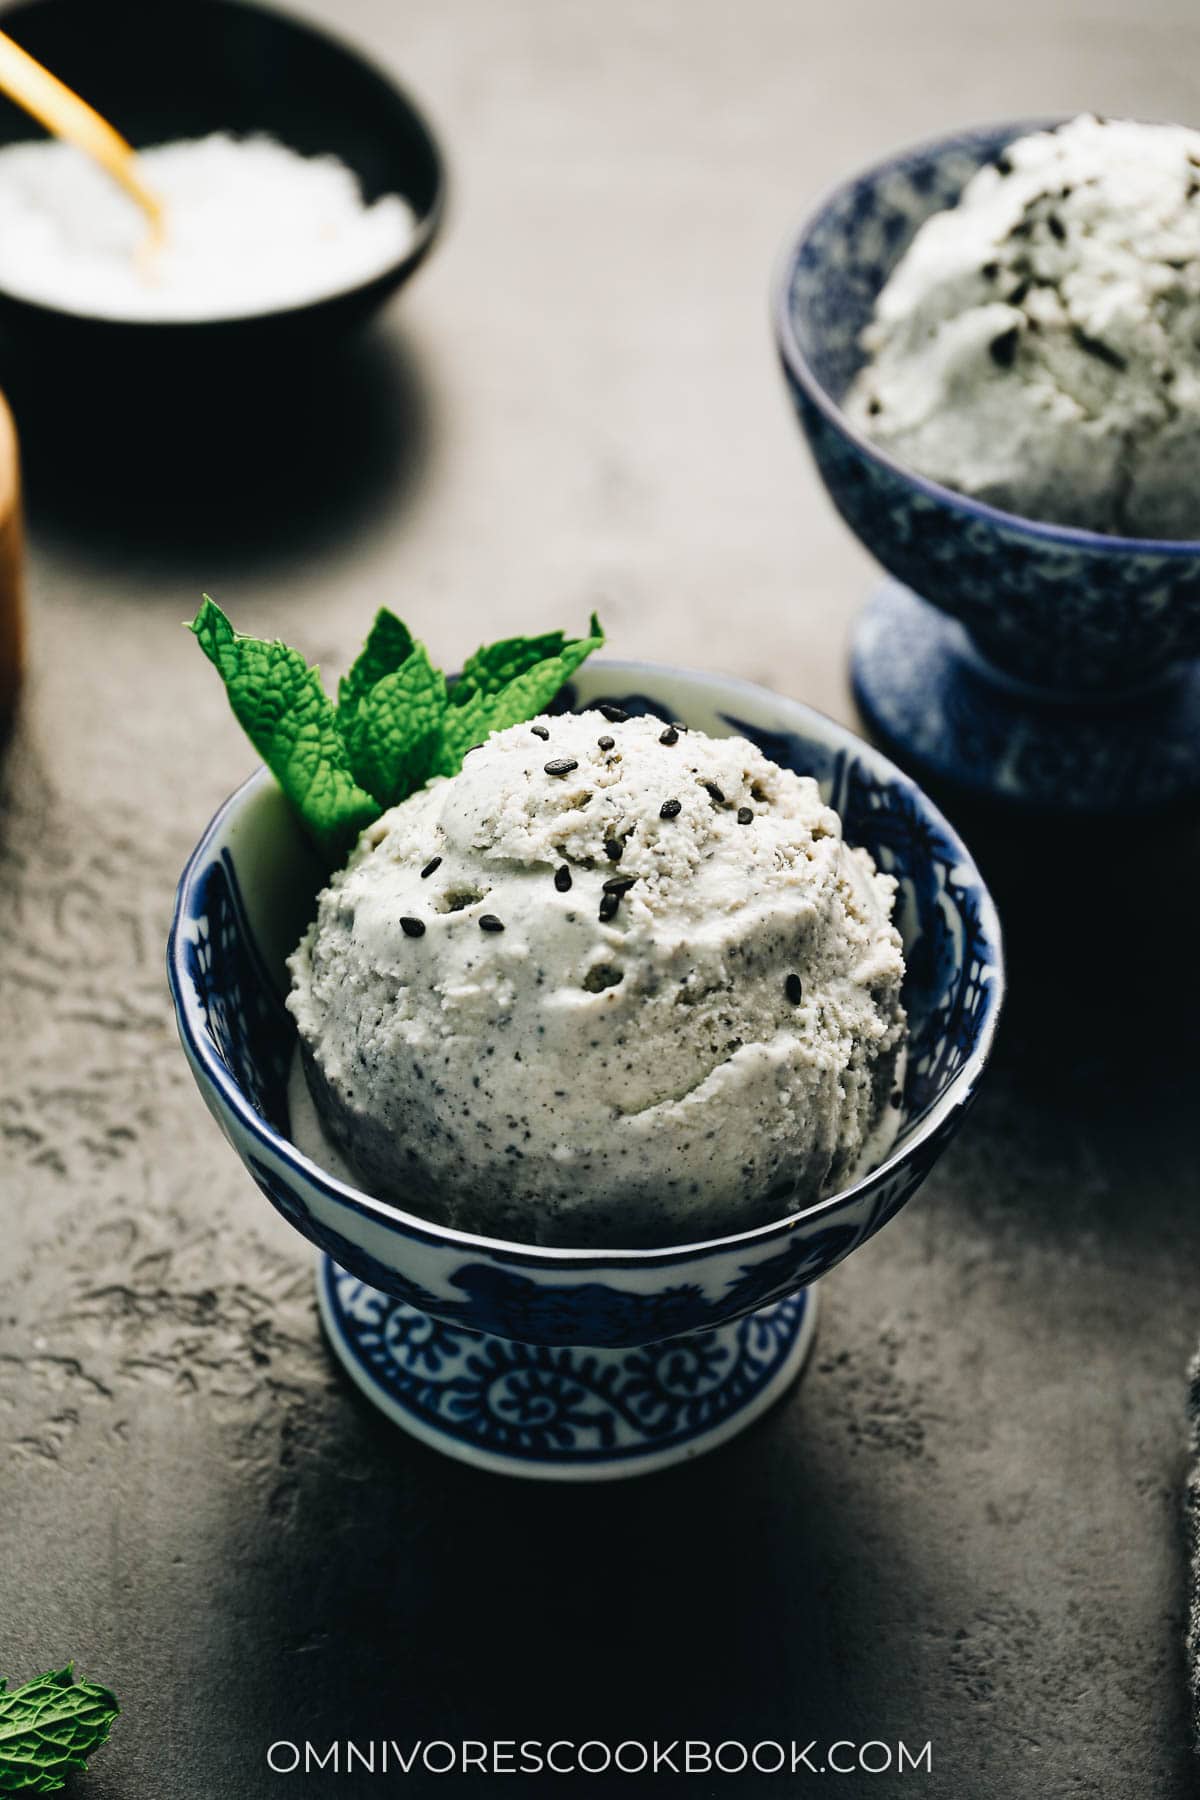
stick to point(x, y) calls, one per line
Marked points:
point(412, 927)
point(990, 271)
point(435, 862)
point(561, 765)
point(601, 976)
point(874, 407)
point(613, 714)
point(1003, 349)
point(1003, 166)
point(489, 922)
point(669, 736)
point(715, 794)
point(670, 809)
point(608, 907)
point(745, 815)
point(562, 879)
point(1057, 228)
point(540, 731)
point(614, 849)
point(619, 884)
point(1098, 348)
point(793, 987)
point(1019, 292)
point(606, 743)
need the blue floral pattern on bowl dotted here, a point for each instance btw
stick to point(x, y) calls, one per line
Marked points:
point(1061, 609)
point(439, 1295)
point(518, 1405)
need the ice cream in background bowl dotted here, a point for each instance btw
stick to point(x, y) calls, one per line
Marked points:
point(999, 384)
point(587, 1355)
point(1037, 346)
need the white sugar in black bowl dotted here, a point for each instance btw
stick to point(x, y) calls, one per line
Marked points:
point(578, 1363)
point(161, 73)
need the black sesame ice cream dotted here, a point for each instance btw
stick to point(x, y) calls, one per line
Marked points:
point(1036, 346)
point(615, 983)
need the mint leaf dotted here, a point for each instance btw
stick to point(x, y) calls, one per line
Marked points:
point(288, 717)
point(536, 685)
point(493, 666)
point(463, 727)
point(520, 695)
point(393, 733)
point(395, 724)
point(389, 645)
point(49, 1728)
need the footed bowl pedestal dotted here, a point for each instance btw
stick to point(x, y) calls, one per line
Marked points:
point(937, 704)
point(561, 1412)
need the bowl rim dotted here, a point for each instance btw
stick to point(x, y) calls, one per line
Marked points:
point(202, 1053)
point(798, 367)
point(427, 224)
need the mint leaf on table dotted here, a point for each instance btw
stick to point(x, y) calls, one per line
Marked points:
point(509, 681)
point(49, 1728)
point(393, 731)
point(289, 718)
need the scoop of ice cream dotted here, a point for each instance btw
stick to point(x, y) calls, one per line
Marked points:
point(1038, 345)
point(613, 983)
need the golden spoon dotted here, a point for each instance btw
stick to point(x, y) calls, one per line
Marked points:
point(54, 105)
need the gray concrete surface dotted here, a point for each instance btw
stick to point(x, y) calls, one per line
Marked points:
point(963, 1525)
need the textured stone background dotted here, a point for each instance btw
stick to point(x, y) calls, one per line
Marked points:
point(963, 1525)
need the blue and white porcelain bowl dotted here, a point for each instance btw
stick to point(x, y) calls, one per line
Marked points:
point(1076, 683)
point(579, 1363)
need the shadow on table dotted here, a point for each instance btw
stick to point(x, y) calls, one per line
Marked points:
point(421, 1600)
point(1099, 920)
point(226, 470)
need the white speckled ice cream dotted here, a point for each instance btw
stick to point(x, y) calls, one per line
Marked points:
point(1038, 345)
point(612, 984)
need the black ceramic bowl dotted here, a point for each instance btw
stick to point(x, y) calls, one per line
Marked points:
point(162, 69)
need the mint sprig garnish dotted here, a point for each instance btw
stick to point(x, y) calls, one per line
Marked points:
point(494, 666)
point(393, 735)
point(389, 645)
point(288, 717)
point(396, 723)
point(506, 682)
point(49, 1728)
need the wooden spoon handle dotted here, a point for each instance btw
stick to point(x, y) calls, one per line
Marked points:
point(55, 106)
point(12, 607)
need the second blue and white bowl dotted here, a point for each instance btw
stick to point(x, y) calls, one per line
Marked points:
point(1076, 686)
